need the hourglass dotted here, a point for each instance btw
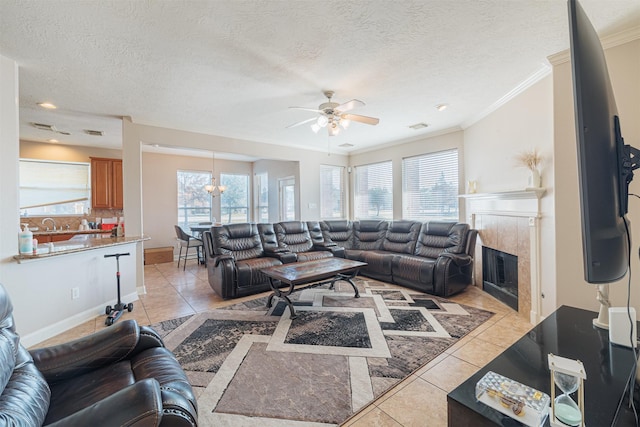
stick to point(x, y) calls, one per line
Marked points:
point(568, 375)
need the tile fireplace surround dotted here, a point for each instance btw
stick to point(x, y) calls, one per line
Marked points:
point(509, 221)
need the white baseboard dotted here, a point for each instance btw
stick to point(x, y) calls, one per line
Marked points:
point(64, 325)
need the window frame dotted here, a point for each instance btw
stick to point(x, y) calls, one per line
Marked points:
point(383, 197)
point(184, 221)
point(337, 172)
point(231, 187)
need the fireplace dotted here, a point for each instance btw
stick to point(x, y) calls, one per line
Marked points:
point(500, 275)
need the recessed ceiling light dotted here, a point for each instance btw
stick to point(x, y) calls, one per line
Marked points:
point(441, 107)
point(345, 145)
point(419, 126)
point(53, 141)
point(47, 105)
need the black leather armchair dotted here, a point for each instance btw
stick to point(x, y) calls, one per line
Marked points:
point(122, 375)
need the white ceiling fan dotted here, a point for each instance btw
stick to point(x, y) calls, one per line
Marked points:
point(333, 115)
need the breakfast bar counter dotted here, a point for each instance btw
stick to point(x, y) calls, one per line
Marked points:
point(78, 243)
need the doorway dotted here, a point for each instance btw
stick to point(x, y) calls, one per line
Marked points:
point(286, 195)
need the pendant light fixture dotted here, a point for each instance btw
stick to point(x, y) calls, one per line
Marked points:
point(212, 188)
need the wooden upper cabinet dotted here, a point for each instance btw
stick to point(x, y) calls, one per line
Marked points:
point(106, 183)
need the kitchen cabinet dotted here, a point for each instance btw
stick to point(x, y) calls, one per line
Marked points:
point(106, 183)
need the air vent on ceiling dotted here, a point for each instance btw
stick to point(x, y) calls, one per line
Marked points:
point(345, 145)
point(419, 126)
point(94, 132)
point(42, 126)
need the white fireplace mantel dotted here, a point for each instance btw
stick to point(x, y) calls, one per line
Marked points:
point(519, 203)
point(515, 203)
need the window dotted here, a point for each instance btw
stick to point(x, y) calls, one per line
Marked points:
point(373, 195)
point(261, 184)
point(54, 188)
point(430, 186)
point(331, 192)
point(194, 202)
point(234, 202)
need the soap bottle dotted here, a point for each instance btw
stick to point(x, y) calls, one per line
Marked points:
point(25, 240)
point(120, 227)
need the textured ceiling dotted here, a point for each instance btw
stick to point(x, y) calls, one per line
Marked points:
point(232, 68)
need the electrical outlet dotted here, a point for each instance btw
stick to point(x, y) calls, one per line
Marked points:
point(75, 293)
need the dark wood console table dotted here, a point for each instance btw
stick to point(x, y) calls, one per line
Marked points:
point(568, 332)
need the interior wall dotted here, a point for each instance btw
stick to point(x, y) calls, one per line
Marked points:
point(624, 68)
point(491, 146)
point(64, 153)
point(160, 208)
point(309, 160)
point(276, 170)
point(397, 152)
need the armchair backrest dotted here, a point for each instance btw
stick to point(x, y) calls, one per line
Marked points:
point(242, 241)
point(293, 235)
point(402, 236)
point(268, 236)
point(181, 234)
point(437, 237)
point(369, 234)
point(339, 232)
point(315, 232)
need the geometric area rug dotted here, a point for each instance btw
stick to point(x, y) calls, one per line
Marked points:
point(252, 366)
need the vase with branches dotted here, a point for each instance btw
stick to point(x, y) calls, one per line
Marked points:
point(531, 160)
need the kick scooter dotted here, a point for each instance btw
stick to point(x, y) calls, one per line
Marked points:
point(114, 313)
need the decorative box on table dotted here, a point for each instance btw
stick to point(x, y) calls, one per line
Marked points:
point(518, 401)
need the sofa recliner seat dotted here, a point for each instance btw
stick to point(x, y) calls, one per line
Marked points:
point(434, 257)
point(121, 375)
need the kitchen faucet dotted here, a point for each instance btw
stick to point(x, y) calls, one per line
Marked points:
point(52, 221)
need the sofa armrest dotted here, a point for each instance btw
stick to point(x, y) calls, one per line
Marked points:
point(461, 260)
point(86, 354)
point(323, 245)
point(284, 255)
point(139, 404)
point(220, 258)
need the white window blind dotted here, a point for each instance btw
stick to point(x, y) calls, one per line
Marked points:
point(430, 186)
point(373, 195)
point(48, 187)
point(331, 192)
point(234, 202)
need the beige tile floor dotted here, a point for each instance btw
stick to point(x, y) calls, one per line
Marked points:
point(420, 400)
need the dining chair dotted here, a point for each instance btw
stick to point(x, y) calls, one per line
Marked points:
point(187, 241)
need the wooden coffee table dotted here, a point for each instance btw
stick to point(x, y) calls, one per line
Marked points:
point(300, 273)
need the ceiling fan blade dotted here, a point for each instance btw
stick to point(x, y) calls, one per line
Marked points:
point(302, 122)
point(349, 105)
point(315, 110)
point(360, 119)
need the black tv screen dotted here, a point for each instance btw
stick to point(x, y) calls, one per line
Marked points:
point(603, 160)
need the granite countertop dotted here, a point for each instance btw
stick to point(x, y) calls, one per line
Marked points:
point(78, 243)
point(55, 232)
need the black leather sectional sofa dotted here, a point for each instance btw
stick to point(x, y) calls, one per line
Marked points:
point(434, 257)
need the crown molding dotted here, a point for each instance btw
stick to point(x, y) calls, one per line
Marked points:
point(608, 42)
point(544, 71)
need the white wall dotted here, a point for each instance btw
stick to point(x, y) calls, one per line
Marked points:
point(491, 146)
point(276, 170)
point(396, 153)
point(624, 69)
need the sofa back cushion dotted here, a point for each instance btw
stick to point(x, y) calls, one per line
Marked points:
point(369, 234)
point(437, 237)
point(401, 237)
point(315, 232)
point(268, 236)
point(240, 240)
point(339, 232)
point(293, 235)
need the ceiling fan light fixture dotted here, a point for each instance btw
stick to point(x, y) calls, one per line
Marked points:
point(315, 127)
point(322, 121)
point(345, 123)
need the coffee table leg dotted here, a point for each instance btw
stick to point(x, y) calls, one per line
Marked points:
point(278, 293)
point(347, 278)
